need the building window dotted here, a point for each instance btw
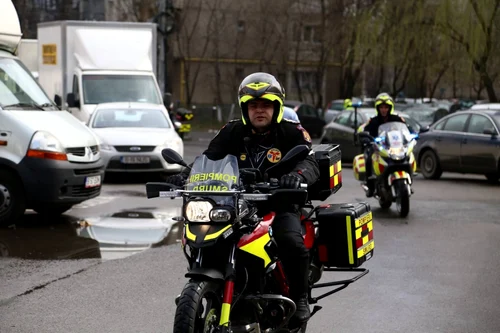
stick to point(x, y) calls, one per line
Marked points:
point(307, 81)
point(306, 33)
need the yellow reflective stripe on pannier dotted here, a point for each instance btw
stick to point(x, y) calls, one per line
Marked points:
point(349, 239)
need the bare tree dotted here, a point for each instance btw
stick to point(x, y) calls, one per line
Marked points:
point(136, 10)
point(473, 24)
point(192, 41)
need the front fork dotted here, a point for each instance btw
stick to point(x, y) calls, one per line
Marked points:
point(227, 298)
point(399, 175)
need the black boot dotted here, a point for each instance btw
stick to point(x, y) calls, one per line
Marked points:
point(302, 313)
point(299, 294)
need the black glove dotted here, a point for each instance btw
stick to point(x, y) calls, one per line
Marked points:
point(177, 180)
point(291, 180)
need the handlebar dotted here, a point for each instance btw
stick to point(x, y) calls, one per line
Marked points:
point(263, 189)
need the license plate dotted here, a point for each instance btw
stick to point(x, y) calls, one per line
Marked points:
point(92, 181)
point(135, 159)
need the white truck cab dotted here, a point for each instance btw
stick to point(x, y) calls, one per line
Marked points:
point(82, 64)
point(49, 161)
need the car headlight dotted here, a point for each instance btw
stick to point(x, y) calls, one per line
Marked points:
point(45, 145)
point(198, 211)
point(175, 144)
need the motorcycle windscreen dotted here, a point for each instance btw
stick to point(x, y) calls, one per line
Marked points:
point(394, 134)
point(214, 175)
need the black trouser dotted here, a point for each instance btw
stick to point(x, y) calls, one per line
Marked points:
point(287, 230)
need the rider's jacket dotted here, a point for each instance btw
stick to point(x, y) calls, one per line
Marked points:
point(261, 151)
point(374, 122)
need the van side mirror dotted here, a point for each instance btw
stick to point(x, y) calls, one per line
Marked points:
point(58, 100)
point(167, 100)
point(72, 102)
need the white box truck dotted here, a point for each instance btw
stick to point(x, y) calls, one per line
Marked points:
point(85, 63)
point(27, 52)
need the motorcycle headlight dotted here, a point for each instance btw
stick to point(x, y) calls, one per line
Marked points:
point(220, 215)
point(198, 211)
point(397, 153)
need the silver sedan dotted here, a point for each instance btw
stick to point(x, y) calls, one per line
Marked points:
point(132, 136)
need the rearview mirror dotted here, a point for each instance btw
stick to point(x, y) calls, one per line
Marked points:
point(58, 100)
point(297, 153)
point(153, 189)
point(490, 131)
point(71, 100)
point(167, 100)
point(365, 135)
point(424, 129)
point(172, 157)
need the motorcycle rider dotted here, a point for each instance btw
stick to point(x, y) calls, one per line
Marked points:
point(348, 104)
point(259, 140)
point(385, 113)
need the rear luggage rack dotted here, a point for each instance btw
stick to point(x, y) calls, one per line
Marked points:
point(342, 283)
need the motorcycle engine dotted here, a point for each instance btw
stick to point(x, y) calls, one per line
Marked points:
point(275, 313)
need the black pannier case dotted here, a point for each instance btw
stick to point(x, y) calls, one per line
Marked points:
point(328, 157)
point(345, 234)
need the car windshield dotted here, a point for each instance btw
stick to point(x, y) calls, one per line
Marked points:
point(119, 88)
point(213, 175)
point(105, 118)
point(19, 89)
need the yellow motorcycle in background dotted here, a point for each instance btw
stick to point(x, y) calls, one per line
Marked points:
point(393, 165)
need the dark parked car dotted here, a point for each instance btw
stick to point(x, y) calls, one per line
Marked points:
point(465, 142)
point(309, 117)
point(341, 130)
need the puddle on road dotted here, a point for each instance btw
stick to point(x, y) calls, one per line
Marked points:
point(113, 236)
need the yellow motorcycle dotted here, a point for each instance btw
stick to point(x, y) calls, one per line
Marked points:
point(393, 165)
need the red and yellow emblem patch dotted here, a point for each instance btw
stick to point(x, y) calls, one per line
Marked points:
point(274, 155)
point(306, 135)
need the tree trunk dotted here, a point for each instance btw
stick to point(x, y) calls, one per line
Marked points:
point(436, 82)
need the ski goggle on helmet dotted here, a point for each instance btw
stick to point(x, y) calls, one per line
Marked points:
point(261, 86)
point(386, 99)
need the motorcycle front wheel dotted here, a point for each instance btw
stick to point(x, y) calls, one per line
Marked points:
point(198, 309)
point(402, 198)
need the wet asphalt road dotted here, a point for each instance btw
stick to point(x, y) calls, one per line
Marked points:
point(436, 271)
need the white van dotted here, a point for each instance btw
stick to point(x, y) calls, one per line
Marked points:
point(49, 160)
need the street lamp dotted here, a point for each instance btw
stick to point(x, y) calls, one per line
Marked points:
point(166, 26)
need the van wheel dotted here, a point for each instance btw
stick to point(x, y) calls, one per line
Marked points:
point(12, 199)
point(52, 209)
